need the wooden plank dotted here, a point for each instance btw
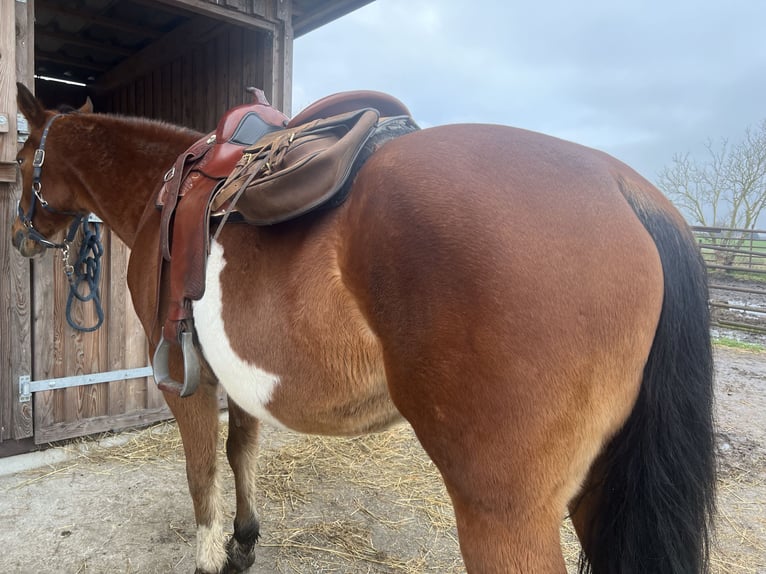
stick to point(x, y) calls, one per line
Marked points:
point(157, 94)
point(91, 45)
point(222, 74)
point(115, 328)
point(140, 97)
point(166, 93)
point(148, 98)
point(251, 56)
point(16, 38)
point(198, 94)
point(127, 347)
point(187, 90)
point(46, 340)
point(252, 19)
point(177, 95)
point(322, 13)
point(8, 80)
point(71, 429)
point(237, 87)
point(166, 49)
point(14, 447)
point(90, 17)
point(131, 103)
point(8, 171)
point(209, 103)
point(280, 72)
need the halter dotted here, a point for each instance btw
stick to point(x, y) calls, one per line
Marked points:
point(37, 195)
point(87, 269)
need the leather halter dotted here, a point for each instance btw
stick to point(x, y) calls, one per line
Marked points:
point(37, 196)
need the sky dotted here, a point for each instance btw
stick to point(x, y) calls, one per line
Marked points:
point(639, 79)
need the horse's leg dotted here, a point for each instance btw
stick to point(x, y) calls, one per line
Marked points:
point(508, 480)
point(508, 539)
point(241, 450)
point(197, 418)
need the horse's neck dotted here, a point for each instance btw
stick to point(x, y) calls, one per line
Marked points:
point(122, 167)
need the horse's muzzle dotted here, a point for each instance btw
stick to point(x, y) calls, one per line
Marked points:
point(25, 246)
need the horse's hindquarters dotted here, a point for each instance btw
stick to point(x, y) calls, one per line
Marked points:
point(516, 296)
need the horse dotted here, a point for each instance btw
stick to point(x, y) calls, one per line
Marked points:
point(535, 309)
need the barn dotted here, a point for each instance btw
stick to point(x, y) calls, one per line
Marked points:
point(183, 61)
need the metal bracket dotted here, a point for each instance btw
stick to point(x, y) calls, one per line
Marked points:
point(25, 395)
point(27, 386)
point(22, 126)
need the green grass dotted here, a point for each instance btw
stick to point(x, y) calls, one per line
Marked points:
point(735, 344)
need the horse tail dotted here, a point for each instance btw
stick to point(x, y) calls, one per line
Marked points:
point(656, 500)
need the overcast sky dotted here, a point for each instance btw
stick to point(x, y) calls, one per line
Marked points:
point(640, 79)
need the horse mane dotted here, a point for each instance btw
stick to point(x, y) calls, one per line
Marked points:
point(143, 130)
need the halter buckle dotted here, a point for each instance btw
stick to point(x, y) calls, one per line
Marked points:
point(39, 158)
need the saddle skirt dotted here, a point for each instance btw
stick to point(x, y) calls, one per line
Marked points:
point(266, 169)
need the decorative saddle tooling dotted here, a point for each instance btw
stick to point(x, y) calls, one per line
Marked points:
point(262, 168)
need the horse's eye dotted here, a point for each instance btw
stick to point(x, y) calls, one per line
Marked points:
point(19, 160)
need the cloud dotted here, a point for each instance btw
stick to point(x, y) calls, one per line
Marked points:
point(639, 79)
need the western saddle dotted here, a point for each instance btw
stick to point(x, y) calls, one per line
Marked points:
point(263, 168)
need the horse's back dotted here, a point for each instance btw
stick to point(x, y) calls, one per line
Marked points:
point(489, 224)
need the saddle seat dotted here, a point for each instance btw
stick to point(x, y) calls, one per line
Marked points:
point(288, 167)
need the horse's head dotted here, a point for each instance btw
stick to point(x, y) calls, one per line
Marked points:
point(49, 199)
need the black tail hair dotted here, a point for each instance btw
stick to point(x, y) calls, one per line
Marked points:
point(657, 499)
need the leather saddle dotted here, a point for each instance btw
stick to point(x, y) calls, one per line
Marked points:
point(266, 169)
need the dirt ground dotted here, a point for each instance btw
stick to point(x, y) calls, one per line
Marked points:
point(368, 505)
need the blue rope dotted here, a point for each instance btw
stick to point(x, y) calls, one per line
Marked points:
point(85, 274)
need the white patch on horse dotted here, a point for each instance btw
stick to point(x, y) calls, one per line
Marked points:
point(249, 386)
point(211, 539)
point(211, 548)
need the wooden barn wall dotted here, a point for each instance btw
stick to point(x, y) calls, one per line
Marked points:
point(61, 351)
point(195, 89)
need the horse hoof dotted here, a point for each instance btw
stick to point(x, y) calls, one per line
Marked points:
point(240, 556)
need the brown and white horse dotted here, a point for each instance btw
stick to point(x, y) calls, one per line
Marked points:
point(535, 309)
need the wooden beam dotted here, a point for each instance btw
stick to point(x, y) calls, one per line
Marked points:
point(73, 40)
point(93, 18)
point(8, 81)
point(282, 60)
point(171, 46)
point(73, 62)
point(87, 426)
point(224, 14)
point(9, 171)
point(327, 12)
point(16, 42)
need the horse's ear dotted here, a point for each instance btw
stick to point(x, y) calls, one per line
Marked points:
point(87, 107)
point(30, 106)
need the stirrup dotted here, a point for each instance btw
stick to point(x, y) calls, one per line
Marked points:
point(162, 377)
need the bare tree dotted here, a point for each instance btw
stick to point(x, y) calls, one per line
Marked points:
point(727, 189)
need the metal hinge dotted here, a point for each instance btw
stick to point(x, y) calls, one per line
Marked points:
point(27, 386)
point(25, 395)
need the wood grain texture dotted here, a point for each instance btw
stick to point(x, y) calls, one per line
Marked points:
point(15, 311)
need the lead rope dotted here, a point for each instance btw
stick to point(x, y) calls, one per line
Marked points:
point(85, 274)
